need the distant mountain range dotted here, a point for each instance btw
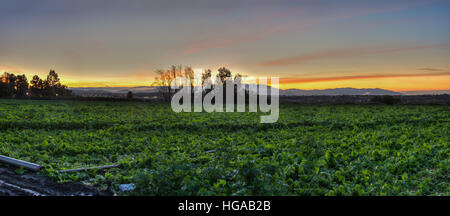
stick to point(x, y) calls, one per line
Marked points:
point(114, 90)
point(108, 91)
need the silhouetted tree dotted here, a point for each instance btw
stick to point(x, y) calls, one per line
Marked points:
point(37, 86)
point(21, 85)
point(238, 76)
point(162, 83)
point(4, 85)
point(51, 83)
point(12, 85)
point(130, 95)
point(189, 74)
point(61, 90)
point(164, 78)
point(205, 75)
point(223, 74)
point(52, 78)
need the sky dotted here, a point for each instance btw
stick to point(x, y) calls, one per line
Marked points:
point(401, 45)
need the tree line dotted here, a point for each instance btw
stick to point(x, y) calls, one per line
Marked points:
point(164, 78)
point(18, 86)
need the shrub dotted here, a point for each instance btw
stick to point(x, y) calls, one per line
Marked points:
point(385, 99)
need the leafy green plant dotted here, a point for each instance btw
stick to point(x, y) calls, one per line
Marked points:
point(311, 150)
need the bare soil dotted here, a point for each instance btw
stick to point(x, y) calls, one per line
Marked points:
point(13, 184)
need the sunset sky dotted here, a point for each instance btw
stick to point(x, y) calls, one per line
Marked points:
point(398, 45)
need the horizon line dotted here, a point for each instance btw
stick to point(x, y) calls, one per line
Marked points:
point(306, 89)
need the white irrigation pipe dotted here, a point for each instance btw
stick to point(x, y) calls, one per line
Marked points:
point(20, 163)
point(89, 168)
point(210, 151)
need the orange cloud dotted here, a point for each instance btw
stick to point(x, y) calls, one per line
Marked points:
point(356, 77)
point(430, 69)
point(348, 52)
point(10, 69)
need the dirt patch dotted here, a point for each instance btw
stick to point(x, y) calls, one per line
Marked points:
point(13, 184)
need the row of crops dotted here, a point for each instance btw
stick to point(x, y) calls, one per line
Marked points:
point(311, 150)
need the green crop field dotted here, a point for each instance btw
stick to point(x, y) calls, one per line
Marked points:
point(311, 150)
